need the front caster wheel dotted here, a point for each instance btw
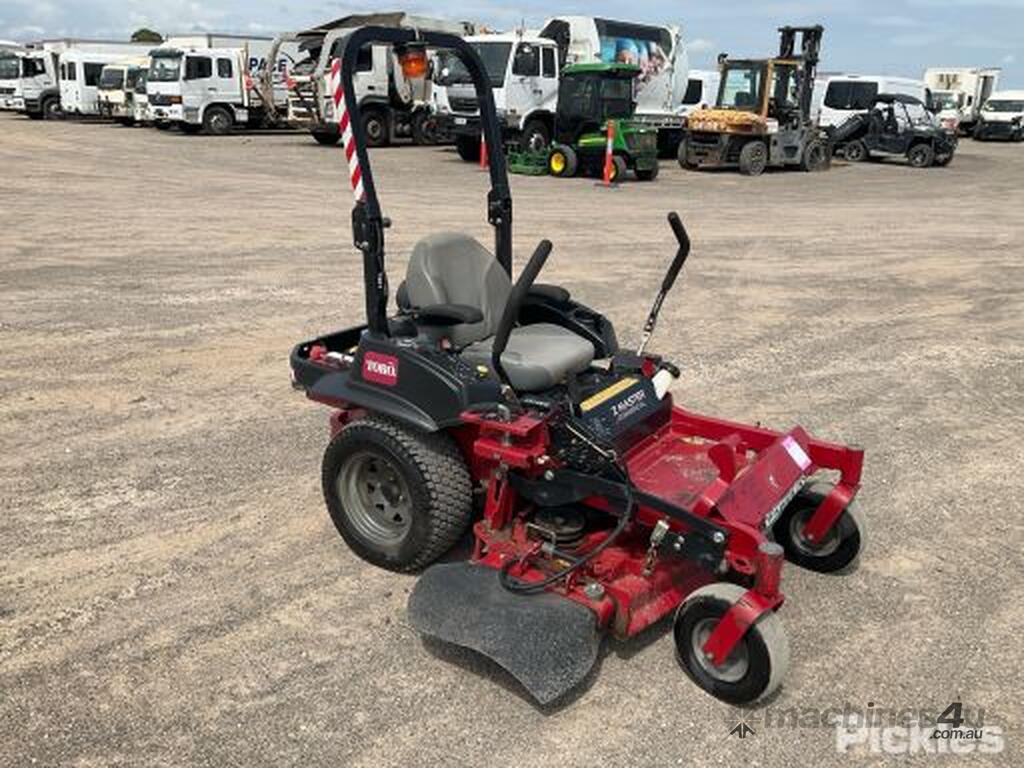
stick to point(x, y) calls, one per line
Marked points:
point(399, 498)
point(756, 666)
point(838, 549)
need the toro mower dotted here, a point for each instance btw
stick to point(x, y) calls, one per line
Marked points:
point(597, 505)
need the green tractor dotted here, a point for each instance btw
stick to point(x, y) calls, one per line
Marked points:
point(589, 96)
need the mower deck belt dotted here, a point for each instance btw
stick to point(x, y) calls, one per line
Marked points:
point(547, 642)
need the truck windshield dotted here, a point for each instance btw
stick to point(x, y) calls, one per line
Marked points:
point(1004, 105)
point(111, 79)
point(495, 58)
point(741, 87)
point(140, 81)
point(9, 69)
point(164, 69)
point(946, 100)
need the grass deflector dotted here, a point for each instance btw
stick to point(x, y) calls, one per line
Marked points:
point(597, 505)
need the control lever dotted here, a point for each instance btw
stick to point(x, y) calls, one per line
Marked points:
point(670, 278)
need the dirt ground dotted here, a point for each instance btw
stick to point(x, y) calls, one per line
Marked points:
point(172, 591)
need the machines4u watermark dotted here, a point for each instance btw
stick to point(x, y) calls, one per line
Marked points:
point(952, 729)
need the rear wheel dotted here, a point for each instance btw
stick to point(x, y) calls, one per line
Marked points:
point(536, 137)
point(562, 161)
point(921, 156)
point(753, 158)
point(758, 662)
point(838, 549)
point(326, 138)
point(375, 127)
point(424, 128)
point(855, 152)
point(399, 498)
point(217, 121)
point(468, 148)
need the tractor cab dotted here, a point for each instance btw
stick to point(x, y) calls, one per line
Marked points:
point(761, 117)
point(589, 97)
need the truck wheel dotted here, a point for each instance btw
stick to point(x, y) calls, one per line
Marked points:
point(399, 498)
point(756, 666)
point(326, 138)
point(753, 158)
point(217, 121)
point(921, 156)
point(51, 109)
point(815, 157)
point(681, 155)
point(839, 548)
point(647, 174)
point(855, 152)
point(375, 128)
point(424, 129)
point(535, 138)
point(562, 161)
point(468, 148)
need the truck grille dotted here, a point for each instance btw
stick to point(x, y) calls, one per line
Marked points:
point(704, 138)
point(6, 91)
point(465, 104)
point(159, 99)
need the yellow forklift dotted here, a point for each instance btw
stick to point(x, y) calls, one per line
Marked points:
point(762, 116)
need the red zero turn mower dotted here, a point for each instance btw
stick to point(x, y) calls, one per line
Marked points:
point(605, 506)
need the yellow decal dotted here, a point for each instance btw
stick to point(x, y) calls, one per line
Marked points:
point(607, 393)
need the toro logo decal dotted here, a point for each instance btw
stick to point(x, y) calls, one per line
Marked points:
point(380, 369)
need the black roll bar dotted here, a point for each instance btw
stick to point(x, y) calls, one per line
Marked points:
point(368, 223)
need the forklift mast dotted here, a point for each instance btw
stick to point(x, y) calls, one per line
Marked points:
point(810, 48)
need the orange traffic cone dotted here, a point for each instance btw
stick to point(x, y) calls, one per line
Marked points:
point(609, 164)
point(484, 160)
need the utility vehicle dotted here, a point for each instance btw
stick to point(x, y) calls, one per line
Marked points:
point(762, 116)
point(589, 96)
point(511, 409)
point(897, 126)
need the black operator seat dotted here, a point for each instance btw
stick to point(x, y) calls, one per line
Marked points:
point(453, 268)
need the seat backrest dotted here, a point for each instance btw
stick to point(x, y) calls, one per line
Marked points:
point(453, 268)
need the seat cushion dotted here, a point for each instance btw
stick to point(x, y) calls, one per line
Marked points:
point(537, 356)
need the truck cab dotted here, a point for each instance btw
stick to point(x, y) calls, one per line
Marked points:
point(40, 91)
point(201, 89)
point(117, 90)
point(1001, 117)
point(10, 80)
point(523, 70)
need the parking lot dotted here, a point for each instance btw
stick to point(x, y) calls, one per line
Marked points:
point(172, 591)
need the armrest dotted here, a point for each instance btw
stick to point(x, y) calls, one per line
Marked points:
point(555, 293)
point(448, 314)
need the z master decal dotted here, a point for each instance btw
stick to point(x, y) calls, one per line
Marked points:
point(380, 369)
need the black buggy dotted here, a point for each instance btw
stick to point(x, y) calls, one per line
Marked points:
point(897, 126)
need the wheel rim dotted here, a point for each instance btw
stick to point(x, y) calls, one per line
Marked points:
point(536, 142)
point(733, 669)
point(853, 153)
point(759, 159)
point(219, 122)
point(827, 546)
point(374, 129)
point(376, 498)
point(557, 162)
point(917, 158)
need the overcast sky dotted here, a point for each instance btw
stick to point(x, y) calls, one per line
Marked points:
point(872, 36)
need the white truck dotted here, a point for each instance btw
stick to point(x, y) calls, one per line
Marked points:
point(1001, 117)
point(525, 67)
point(80, 66)
point(209, 82)
point(701, 90)
point(38, 85)
point(10, 79)
point(839, 96)
point(117, 89)
point(959, 92)
point(391, 105)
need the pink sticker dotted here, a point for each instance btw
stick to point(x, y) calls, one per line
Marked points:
point(796, 453)
point(380, 369)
